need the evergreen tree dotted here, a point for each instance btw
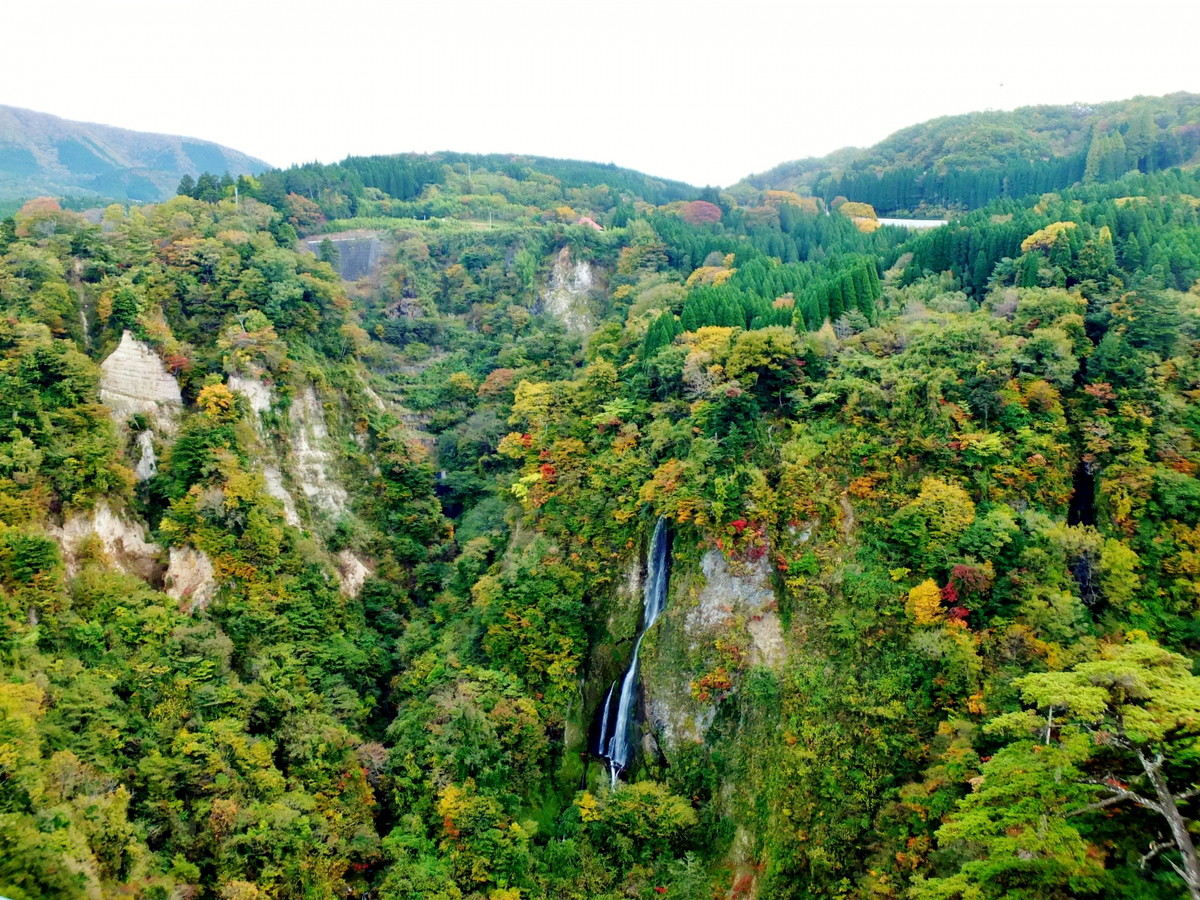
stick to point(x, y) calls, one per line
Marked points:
point(661, 333)
point(208, 188)
point(328, 252)
point(1027, 273)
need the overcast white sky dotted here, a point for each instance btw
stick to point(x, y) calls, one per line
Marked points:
point(700, 91)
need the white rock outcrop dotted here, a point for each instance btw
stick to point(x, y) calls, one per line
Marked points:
point(677, 718)
point(567, 297)
point(259, 395)
point(353, 572)
point(134, 380)
point(314, 466)
point(122, 540)
point(276, 488)
point(733, 597)
point(190, 578)
point(256, 391)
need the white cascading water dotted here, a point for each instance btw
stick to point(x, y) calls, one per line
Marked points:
point(602, 746)
point(654, 598)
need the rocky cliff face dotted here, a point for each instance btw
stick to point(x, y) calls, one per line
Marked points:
point(310, 468)
point(120, 539)
point(134, 380)
point(353, 572)
point(190, 578)
point(185, 573)
point(147, 464)
point(738, 596)
point(260, 398)
point(256, 391)
point(723, 605)
point(567, 296)
point(314, 465)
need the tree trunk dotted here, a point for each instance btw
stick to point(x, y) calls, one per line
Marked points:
point(1179, 832)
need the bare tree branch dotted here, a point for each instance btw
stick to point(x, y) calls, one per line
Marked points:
point(1156, 848)
point(1187, 795)
point(1118, 794)
point(1182, 874)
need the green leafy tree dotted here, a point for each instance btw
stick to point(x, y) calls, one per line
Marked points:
point(1115, 730)
point(1015, 833)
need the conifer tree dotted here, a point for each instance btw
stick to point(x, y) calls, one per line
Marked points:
point(662, 332)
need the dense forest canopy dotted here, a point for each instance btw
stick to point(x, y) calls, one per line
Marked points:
point(963, 162)
point(320, 588)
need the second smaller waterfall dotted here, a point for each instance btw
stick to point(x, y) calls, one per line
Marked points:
point(616, 746)
point(147, 466)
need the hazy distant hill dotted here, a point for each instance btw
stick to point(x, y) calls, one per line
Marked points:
point(43, 154)
point(965, 161)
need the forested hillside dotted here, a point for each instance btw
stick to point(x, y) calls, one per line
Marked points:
point(963, 162)
point(320, 588)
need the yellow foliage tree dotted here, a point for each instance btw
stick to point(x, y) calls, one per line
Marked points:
point(461, 385)
point(778, 198)
point(947, 507)
point(589, 807)
point(715, 275)
point(1045, 238)
point(925, 603)
point(531, 404)
point(856, 210)
point(218, 402)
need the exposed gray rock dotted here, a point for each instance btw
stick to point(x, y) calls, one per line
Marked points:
point(122, 540)
point(275, 487)
point(375, 398)
point(255, 390)
point(147, 465)
point(190, 578)
point(314, 464)
point(568, 295)
point(258, 394)
point(746, 594)
point(353, 572)
point(675, 716)
point(134, 380)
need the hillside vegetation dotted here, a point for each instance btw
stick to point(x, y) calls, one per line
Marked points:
point(963, 162)
point(328, 601)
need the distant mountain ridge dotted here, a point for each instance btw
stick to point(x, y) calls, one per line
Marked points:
point(963, 161)
point(947, 164)
point(44, 154)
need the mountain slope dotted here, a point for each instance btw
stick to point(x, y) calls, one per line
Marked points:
point(43, 154)
point(590, 545)
point(964, 161)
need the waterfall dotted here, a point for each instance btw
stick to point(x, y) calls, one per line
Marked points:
point(654, 598)
point(147, 466)
point(602, 746)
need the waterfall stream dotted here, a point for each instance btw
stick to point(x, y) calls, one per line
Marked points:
point(615, 746)
point(147, 466)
